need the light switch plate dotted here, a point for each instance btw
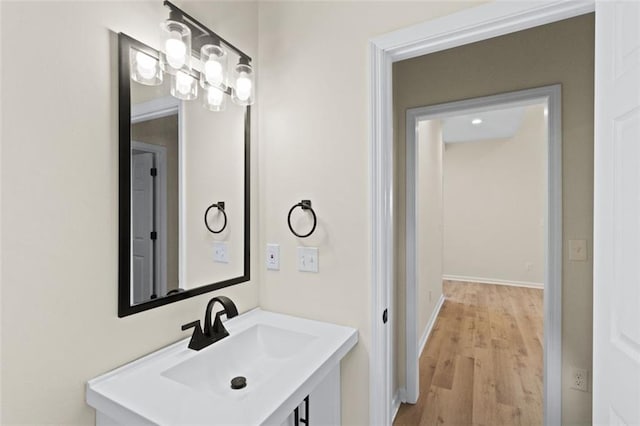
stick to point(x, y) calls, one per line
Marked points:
point(273, 257)
point(578, 250)
point(220, 252)
point(308, 259)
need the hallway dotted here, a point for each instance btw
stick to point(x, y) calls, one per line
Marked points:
point(483, 363)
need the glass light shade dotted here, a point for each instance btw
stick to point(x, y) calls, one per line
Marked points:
point(184, 86)
point(243, 84)
point(214, 66)
point(176, 41)
point(145, 69)
point(214, 99)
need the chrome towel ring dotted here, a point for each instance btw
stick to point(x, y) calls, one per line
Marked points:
point(304, 205)
point(220, 206)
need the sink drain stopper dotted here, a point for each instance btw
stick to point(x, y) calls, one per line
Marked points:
point(238, 382)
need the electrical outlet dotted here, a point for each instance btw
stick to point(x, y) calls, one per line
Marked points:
point(273, 257)
point(578, 250)
point(220, 252)
point(579, 379)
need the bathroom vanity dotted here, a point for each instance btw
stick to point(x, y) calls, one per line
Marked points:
point(291, 366)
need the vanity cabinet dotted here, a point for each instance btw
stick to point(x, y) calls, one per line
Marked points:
point(323, 403)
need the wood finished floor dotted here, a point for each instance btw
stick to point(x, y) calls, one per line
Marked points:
point(482, 364)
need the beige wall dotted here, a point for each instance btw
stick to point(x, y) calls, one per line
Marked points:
point(214, 171)
point(60, 202)
point(313, 102)
point(561, 52)
point(164, 132)
point(494, 205)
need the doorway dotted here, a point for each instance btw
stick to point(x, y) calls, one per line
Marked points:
point(512, 141)
point(464, 32)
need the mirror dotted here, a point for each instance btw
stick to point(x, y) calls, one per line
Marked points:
point(183, 191)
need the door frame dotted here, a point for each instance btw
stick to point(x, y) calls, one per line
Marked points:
point(552, 345)
point(465, 27)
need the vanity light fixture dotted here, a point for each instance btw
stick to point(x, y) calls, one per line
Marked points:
point(183, 39)
point(145, 69)
point(214, 99)
point(176, 41)
point(184, 86)
point(243, 87)
point(214, 66)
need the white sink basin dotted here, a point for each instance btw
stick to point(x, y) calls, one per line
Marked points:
point(282, 358)
point(258, 353)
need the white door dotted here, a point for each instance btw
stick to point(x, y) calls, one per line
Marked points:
point(142, 199)
point(616, 296)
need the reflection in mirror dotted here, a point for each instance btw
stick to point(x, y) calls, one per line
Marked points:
point(154, 193)
point(188, 189)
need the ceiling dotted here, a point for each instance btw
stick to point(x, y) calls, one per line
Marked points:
point(496, 124)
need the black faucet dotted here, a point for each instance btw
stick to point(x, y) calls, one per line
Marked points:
point(212, 332)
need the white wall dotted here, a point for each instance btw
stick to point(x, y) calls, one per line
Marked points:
point(494, 205)
point(313, 102)
point(60, 202)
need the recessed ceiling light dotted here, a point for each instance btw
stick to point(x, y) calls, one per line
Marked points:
point(476, 121)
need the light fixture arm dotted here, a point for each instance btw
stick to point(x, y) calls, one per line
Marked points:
point(200, 33)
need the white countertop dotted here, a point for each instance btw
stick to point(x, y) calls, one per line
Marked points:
point(142, 391)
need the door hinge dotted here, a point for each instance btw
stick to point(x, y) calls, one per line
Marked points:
point(385, 316)
point(154, 172)
point(154, 235)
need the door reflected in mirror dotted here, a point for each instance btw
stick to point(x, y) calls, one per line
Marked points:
point(154, 206)
point(187, 188)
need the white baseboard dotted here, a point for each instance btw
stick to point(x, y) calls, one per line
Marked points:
point(494, 281)
point(395, 404)
point(429, 326)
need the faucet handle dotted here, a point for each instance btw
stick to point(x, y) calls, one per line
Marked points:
point(193, 324)
point(198, 339)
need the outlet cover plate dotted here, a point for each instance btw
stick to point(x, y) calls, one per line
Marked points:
point(578, 250)
point(273, 257)
point(579, 379)
point(220, 252)
point(308, 259)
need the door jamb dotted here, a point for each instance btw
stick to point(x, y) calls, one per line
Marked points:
point(552, 349)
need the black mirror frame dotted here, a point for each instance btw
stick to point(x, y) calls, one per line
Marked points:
point(125, 308)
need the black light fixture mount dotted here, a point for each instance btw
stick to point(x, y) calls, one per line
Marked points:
point(200, 33)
